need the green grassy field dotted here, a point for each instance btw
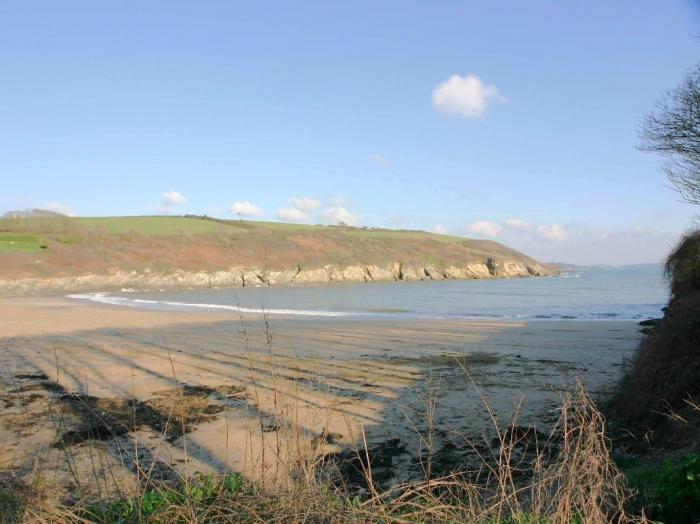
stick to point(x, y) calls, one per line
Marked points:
point(175, 225)
point(21, 243)
point(166, 225)
point(148, 225)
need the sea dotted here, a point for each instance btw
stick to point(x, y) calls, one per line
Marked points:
point(623, 293)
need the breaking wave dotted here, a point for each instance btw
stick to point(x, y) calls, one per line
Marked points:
point(106, 298)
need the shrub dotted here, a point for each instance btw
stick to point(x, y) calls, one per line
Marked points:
point(669, 492)
point(683, 266)
point(663, 377)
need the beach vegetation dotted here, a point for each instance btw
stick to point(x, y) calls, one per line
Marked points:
point(568, 476)
point(656, 410)
point(683, 266)
point(668, 491)
point(660, 392)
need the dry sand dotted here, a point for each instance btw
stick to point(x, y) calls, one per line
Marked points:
point(210, 392)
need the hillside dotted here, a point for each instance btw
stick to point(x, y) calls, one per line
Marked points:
point(659, 397)
point(58, 254)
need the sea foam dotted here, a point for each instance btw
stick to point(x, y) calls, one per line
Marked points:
point(106, 298)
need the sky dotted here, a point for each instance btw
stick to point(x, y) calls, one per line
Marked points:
point(513, 121)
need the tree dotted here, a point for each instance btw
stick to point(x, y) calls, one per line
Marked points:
point(673, 129)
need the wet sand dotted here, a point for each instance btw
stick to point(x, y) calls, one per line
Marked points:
point(255, 398)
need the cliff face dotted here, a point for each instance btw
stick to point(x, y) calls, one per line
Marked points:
point(245, 276)
point(235, 254)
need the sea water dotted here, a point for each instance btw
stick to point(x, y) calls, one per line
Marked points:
point(629, 293)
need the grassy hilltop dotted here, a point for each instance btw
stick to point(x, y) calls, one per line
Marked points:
point(47, 246)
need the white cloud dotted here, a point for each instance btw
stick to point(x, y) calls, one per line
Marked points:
point(336, 201)
point(514, 228)
point(485, 228)
point(552, 232)
point(380, 160)
point(578, 242)
point(246, 209)
point(305, 203)
point(465, 96)
point(291, 215)
point(440, 230)
point(591, 244)
point(334, 214)
point(59, 208)
point(306, 209)
point(171, 199)
point(516, 223)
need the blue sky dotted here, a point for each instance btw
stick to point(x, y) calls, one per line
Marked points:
point(515, 121)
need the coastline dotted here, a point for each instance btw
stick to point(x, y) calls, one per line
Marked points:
point(234, 277)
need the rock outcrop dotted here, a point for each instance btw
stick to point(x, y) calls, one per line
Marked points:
point(255, 277)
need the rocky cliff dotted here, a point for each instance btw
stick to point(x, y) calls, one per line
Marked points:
point(246, 276)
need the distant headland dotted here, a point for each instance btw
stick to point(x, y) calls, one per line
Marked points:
point(47, 253)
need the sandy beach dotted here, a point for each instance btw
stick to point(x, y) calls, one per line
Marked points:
point(213, 392)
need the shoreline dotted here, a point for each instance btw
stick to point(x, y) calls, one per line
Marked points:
point(42, 316)
point(119, 301)
point(26, 316)
point(240, 277)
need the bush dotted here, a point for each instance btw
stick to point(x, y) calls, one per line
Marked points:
point(683, 266)
point(669, 492)
point(653, 397)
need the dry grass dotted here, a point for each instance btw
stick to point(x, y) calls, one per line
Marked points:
point(570, 477)
point(580, 484)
